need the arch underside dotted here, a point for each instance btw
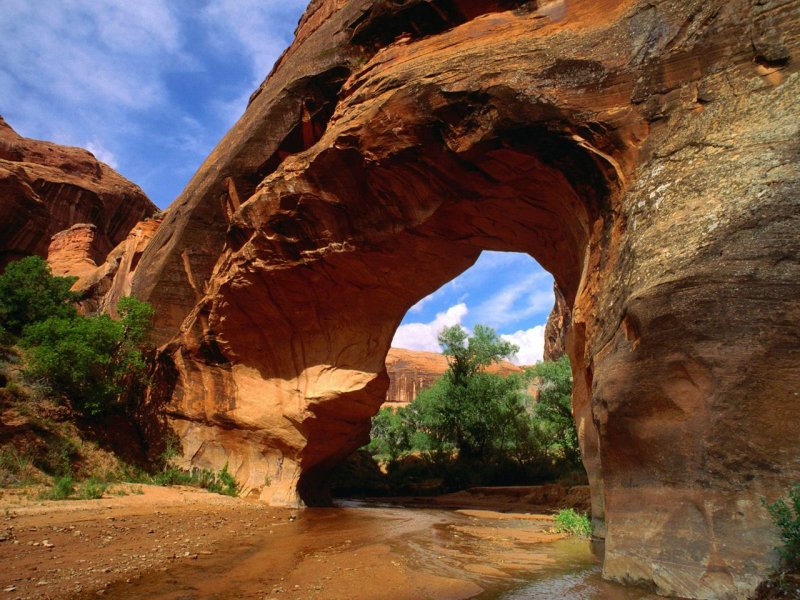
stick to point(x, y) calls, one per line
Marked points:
point(665, 210)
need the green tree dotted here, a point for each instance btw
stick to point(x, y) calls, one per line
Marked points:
point(553, 409)
point(482, 425)
point(473, 403)
point(390, 434)
point(30, 293)
point(786, 516)
point(468, 354)
point(92, 361)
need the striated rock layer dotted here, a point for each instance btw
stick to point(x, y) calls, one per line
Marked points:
point(100, 287)
point(46, 189)
point(646, 153)
point(411, 371)
point(555, 331)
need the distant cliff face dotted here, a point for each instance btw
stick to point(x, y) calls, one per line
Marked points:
point(411, 371)
point(46, 188)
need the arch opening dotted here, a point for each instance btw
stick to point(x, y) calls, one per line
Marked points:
point(428, 439)
point(308, 296)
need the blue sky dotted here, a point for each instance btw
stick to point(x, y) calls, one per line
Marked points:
point(505, 290)
point(150, 86)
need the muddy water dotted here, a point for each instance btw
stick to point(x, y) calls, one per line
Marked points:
point(386, 553)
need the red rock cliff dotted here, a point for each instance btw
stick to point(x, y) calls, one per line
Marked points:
point(643, 152)
point(46, 188)
point(411, 371)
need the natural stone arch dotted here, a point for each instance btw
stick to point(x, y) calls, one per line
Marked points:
point(646, 155)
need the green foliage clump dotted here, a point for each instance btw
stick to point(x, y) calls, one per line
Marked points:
point(472, 427)
point(222, 482)
point(786, 516)
point(469, 354)
point(30, 293)
point(92, 489)
point(92, 361)
point(62, 489)
point(553, 410)
point(570, 521)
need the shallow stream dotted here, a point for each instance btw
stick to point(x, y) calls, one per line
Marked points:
point(389, 553)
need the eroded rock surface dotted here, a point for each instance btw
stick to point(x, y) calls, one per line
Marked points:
point(646, 153)
point(101, 286)
point(555, 331)
point(71, 250)
point(46, 188)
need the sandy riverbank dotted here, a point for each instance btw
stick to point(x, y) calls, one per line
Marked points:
point(187, 543)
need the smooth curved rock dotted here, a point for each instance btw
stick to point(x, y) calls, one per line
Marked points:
point(644, 153)
point(46, 188)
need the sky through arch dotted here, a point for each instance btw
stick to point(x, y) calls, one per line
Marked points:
point(508, 291)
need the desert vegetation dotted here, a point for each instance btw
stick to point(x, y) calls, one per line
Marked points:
point(70, 385)
point(473, 427)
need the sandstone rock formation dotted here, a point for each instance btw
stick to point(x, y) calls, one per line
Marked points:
point(71, 250)
point(411, 371)
point(555, 331)
point(646, 153)
point(46, 188)
point(100, 287)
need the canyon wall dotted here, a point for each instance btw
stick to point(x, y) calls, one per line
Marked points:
point(411, 371)
point(645, 153)
point(46, 189)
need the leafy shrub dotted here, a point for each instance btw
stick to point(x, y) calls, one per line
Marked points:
point(92, 489)
point(228, 482)
point(222, 482)
point(572, 522)
point(91, 360)
point(62, 489)
point(786, 516)
point(30, 293)
point(553, 410)
point(478, 428)
point(61, 452)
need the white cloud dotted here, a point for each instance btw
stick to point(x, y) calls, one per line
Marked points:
point(106, 53)
point(422, 336)
point(257, 26)
point(520, 300)
point(102, 153)
point(75, 71)
point(530, 342)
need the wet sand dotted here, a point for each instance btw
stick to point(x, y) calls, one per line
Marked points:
point(172, 543)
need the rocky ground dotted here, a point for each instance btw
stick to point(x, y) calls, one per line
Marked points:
point(56, 549)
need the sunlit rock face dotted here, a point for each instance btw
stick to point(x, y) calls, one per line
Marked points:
point(100, 288)
point(411, 371)
point(644, 153)
point(46, 189)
